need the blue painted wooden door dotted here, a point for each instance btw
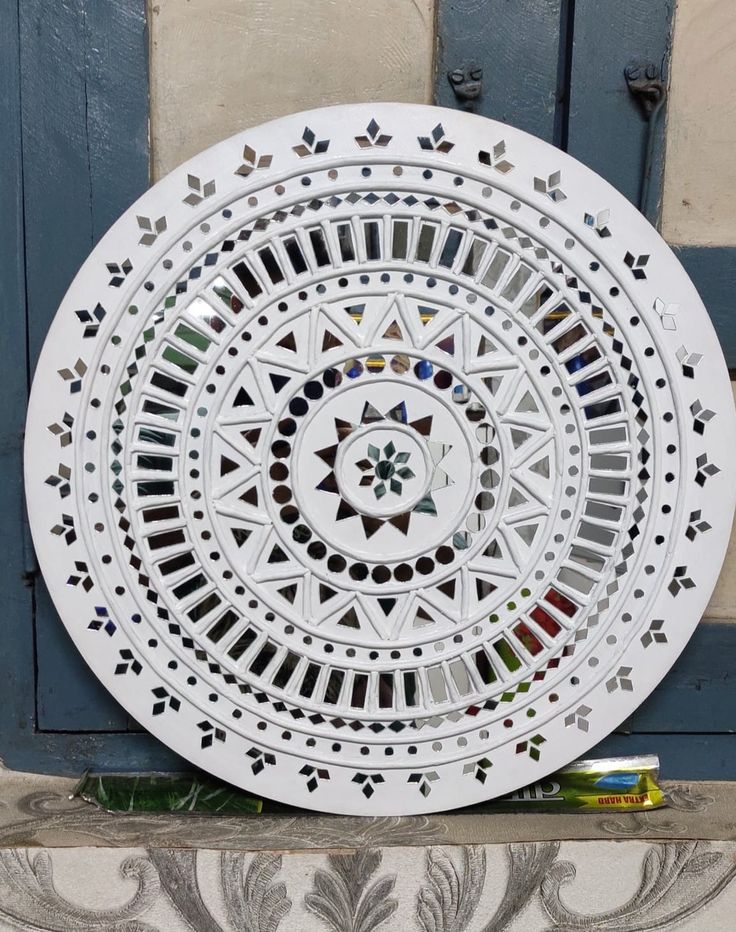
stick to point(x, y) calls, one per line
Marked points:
point(74, 151)
point(74, 146)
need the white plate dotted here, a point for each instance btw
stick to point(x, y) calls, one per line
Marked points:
point(380, 459)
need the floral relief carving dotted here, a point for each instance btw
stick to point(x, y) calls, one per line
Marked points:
point(344, 900)
point(450, 897)
point(449, 900)
point(678, 879)
point(215, 887)
point(258, 904)
point(178, 873)
point(528, 864)
point(29, 899)
point(252, 901)
point(351, 894)
point(684, 798)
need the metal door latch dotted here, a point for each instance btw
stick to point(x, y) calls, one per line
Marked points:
point(466, 83)
point(646, 85)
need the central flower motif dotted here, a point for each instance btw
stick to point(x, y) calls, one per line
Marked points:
point(384, 469)
point(388, 466)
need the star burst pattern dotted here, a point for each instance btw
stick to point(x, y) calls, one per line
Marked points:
point(388, 466)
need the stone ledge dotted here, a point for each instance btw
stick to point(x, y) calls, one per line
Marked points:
point(35, 811)
point(519, 887)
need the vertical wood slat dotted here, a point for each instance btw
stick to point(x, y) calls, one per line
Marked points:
point(713, 271)
point(607, 130)
point(84, 84)
point(517, 45)
point(84, 72)
point(16, 683)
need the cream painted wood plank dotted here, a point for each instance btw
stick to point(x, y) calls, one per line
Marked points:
point(219, 67)
point(723, 601)
point(699, 203)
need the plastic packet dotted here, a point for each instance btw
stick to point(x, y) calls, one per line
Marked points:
point(162, 792)
point(613, 783)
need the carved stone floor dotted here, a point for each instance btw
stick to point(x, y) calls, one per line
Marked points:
point(64, 865)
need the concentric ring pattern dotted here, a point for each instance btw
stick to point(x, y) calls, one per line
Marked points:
point(379, 459)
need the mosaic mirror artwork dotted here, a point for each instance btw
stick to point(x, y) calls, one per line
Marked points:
point(380, 459)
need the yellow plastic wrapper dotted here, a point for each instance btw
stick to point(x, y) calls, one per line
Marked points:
point(622, 784)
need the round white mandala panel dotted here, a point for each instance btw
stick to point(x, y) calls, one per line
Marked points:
point(379, 459)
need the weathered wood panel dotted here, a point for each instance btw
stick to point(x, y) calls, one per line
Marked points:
point(84, 66)
point(681, 757)
point(84, 92)
point(16, 681)
point(713, 271)
point(699, 692)
point(71, 753)
point(518, 47)
point(607, 129)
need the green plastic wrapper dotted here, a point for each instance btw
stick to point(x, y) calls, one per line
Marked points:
point(614, 784)
point(621, 784)
point(164, 793)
